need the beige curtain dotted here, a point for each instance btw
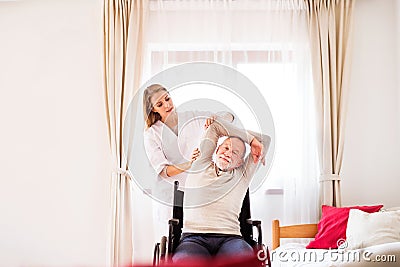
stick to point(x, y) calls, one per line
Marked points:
point(123, 51)
point(330, 31)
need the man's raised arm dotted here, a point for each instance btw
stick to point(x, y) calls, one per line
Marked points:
point(208, 144)
point(258, 150)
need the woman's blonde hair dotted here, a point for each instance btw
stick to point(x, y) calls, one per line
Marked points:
point(150, 116)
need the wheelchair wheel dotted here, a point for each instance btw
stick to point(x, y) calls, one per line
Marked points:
point(156, 254)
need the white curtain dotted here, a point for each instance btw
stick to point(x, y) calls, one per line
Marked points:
point(268, 42)
point(330, 31)
point(123, 61)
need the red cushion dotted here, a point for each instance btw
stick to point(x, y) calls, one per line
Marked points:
point(333, 224)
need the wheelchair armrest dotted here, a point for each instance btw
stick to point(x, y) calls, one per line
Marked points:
point(173, 221)
point(254, 222)
point(257, 224)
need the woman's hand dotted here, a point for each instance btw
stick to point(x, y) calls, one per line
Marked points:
point(209, 121)
point(257, 151)
point(195, 155)
point(172, 170)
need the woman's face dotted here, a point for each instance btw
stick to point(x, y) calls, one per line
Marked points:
point(162, 104)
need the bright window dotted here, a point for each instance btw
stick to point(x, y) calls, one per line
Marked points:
point(275, 76)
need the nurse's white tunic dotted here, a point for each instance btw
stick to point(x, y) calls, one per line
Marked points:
point(164, 147)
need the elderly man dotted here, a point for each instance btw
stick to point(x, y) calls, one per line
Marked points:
point(215, 190)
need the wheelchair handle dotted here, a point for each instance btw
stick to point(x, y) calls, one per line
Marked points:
point(173, 222)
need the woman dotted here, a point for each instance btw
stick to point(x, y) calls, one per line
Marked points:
point(171, 140)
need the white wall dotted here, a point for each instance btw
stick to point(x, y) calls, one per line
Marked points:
point(54, 185)
point(371, 157)
point(397, 11)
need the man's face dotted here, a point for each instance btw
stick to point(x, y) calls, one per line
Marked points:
point(229, 154)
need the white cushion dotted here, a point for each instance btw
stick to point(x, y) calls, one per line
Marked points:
point(369, 229)
point(390, 209)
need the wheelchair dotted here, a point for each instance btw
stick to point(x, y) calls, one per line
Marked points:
point(164, 250)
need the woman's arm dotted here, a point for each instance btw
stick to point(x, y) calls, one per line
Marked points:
point(172, 170)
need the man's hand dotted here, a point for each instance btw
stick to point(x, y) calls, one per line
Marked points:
point(209, 121)
point(257, 151)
